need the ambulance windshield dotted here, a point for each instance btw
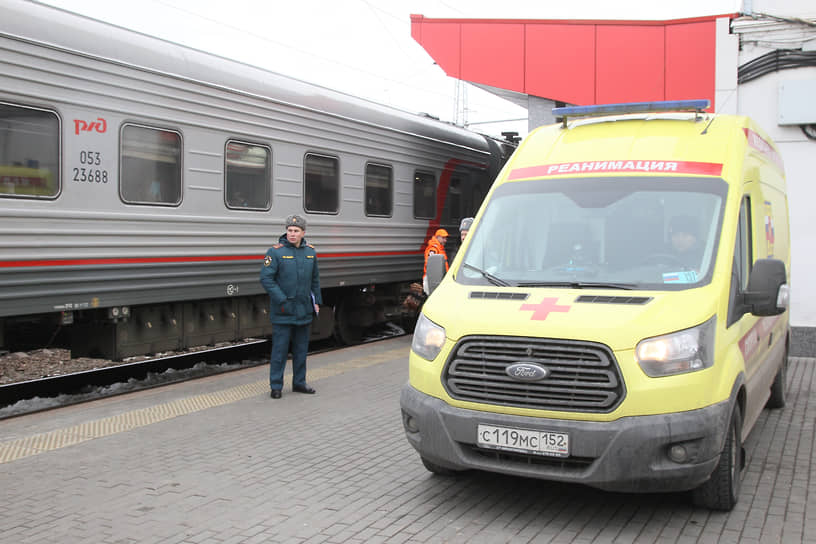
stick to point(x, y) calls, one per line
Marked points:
point(620, 233)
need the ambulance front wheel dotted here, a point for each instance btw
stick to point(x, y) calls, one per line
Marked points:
point(721, 491)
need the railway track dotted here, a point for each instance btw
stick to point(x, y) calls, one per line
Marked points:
point(53, 391)
point(36, 395)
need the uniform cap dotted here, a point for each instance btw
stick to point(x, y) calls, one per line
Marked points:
point(441, 232)
point(295, 220)
point(466, 223)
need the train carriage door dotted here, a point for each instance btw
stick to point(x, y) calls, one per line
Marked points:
point(459, 203)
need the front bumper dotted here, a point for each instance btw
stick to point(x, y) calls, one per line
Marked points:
point(629, 454)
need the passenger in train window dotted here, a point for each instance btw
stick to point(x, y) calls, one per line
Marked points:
point(238, 199)
point(155, 191)
point(290, 275)
point(436, 246)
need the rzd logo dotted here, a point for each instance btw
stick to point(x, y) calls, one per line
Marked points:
point(100, 125)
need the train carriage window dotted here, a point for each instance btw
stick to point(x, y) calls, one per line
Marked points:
point(424, 195)
point(29, 152)
point(321, 183)
point(379, 182)
point(151, 166)
point(247, 176)
point(452, 211)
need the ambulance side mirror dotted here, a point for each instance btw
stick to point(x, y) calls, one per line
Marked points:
point(768, 292)
point(435, 271)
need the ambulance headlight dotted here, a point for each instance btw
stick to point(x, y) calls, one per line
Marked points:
point(428, 338)
point(679, 352)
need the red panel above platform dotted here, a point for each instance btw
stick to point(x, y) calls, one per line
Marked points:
point(494, 53)
point(578, 62)
point(630, 65)
point(569, 75)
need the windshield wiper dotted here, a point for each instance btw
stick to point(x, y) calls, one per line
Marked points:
point(489, 277)
point(579, 284)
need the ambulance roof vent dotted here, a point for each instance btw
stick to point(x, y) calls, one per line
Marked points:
point(498, 295)
point(630, 107)
point(613, 300)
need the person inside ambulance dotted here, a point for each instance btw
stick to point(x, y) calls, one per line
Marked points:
point(684, 241)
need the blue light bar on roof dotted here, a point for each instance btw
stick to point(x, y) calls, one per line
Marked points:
point(631, 107)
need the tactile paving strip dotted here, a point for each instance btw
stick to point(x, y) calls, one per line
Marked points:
point(69, 436)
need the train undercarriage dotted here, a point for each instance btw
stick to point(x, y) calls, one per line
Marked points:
point(350, 315)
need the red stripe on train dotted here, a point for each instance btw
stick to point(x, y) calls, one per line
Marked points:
point(199, 259)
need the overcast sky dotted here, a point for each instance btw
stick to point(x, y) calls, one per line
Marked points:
point(363, 47)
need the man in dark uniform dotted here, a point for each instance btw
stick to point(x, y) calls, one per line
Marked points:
point(290, 276)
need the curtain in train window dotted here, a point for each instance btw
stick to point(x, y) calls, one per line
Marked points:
point(247, 175)
point(321, 184)
point(424, 195)
point(151, 166)
point(29, 152)
point(379, 182)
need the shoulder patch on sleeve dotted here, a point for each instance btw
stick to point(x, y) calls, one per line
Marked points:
point(267, 260)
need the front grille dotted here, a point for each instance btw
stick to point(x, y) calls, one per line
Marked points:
point(582, 376)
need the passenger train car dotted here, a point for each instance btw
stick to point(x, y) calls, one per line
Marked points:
point(141, 183)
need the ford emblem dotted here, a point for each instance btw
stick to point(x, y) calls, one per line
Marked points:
point(527, 372)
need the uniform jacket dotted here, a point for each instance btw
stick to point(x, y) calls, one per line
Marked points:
point(290, 276)
point(434, 247)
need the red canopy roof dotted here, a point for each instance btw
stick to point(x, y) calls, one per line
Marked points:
point(578, 62)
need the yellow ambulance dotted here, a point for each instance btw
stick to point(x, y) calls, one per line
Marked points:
point(617, 316)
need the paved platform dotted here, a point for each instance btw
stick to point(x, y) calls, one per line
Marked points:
point(216, 460)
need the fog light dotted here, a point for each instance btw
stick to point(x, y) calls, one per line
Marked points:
point(410, 423)
point(125, 311)
point(678, 453)
point(114, 312)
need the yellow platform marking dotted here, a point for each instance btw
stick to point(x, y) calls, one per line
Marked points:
point(69, 436)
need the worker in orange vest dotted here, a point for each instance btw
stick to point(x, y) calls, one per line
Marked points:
point(436, 245)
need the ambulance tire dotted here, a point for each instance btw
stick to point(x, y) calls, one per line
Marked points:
point(436, 469)
point(722, 489)
point(779, 386)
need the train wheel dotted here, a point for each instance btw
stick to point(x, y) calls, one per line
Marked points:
point(347, 328)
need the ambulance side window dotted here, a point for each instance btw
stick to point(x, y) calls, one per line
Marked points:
point(743, 259)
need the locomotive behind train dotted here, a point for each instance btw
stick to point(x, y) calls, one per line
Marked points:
point(141, 183)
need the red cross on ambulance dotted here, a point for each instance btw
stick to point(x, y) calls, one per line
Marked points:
point(542, 310)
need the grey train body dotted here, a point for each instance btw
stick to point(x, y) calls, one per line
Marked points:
point(134, 271)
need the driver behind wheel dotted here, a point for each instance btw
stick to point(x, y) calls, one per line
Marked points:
point(685, 241)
